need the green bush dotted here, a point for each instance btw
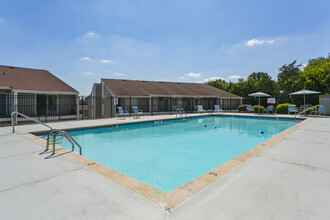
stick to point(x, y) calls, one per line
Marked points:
point(283, 108)
point(242, 108)
point(256, 107)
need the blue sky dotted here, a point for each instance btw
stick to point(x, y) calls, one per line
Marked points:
point(170, 40)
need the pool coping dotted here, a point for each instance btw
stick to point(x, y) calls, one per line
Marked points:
point(180, 194)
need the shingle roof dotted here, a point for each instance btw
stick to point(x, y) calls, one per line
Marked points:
point(32, 79)
point(120, 87)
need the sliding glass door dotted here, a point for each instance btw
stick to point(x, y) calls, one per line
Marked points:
point(46, 104)
point(3, 105)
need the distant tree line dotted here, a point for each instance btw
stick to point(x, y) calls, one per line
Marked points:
point(291, 78)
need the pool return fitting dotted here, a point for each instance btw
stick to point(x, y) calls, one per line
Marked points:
point(52, 133)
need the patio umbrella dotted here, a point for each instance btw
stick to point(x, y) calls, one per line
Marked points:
point(259, 94)
point(305, 92)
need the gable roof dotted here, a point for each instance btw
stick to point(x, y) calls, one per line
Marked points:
point(121, 87)
point(19, 78)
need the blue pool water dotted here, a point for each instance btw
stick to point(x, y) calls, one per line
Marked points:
point(169, 154)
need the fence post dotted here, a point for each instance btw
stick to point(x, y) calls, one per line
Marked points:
point(83, 107)
point(15, 107)
point(111, 105)
point(130, 105)
point(151, 106)
point(77, 106)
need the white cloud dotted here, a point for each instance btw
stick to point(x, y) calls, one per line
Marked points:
point(86, 59)
point(194, 75)
point(235, 77)
point(97, 60)
point(88, 73)
point(182, 78)
point(211, 79)
point(304, 65)
point(90, 34)
point(107, 61)
point(119, 74)
point(254, 41)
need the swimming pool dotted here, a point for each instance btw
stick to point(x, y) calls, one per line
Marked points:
point(166, 154)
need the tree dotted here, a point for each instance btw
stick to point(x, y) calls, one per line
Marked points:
point(264, 83)
point(289, 80)
point(317, 75)
point(219, 83)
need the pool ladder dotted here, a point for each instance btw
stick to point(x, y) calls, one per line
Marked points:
point(181, 112)
point(55, 133)
point(52, 131)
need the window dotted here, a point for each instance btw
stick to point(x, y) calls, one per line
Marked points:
point(198, 101)
point(46, 104)
point(51, 104)
point(41, 104)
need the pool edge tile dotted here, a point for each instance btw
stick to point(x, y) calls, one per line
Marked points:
point(180, 194)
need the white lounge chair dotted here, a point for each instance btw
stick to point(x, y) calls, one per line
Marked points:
point(292, 108)
point(137, 112)
point(217, 108)
point(200, 109)
point(249, 109)
point(122, 113)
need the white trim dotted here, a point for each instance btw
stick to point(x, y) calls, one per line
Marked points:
point(102, 89)
point(6, 87)
point(45, 92)
point(231, 98)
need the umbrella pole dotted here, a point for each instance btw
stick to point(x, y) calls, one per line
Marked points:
point(304, 103)
point(259, 105)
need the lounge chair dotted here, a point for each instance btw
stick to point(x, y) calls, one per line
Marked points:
point(200, 109)
point(122, 113)
point(137, 112)
point(268, 109)
point(292, 108)
point(217, 108)
point(249, 109)
point(319, 110)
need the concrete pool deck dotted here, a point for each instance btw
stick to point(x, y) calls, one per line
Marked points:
point(290, 180)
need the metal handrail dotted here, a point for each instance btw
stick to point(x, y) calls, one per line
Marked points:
point(48, 137)
point(25, 116)
point(67, 136)
point(176, 114)
point(181, 112)
point(307, 109)
point(184, 113)
point(64, 133)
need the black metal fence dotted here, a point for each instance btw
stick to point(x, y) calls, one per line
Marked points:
point(46, 108)
point(53, 108)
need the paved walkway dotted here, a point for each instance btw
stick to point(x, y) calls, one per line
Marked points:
point(289, 180)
